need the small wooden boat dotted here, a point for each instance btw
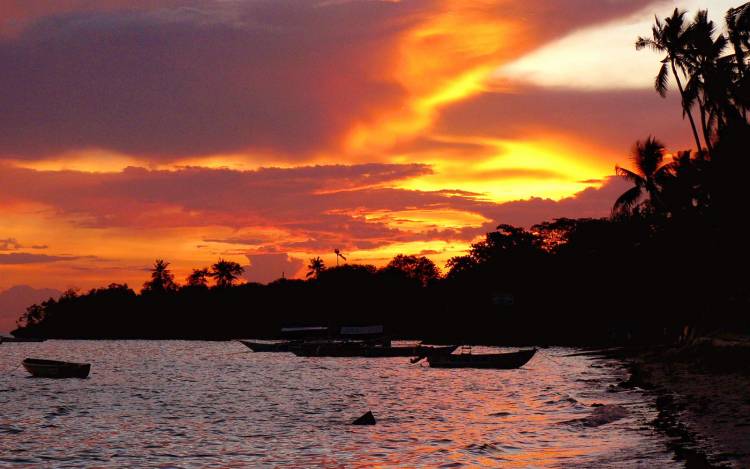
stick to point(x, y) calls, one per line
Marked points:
point(362, 349)
point(500, 361)
point(267, 346)
point(54, 369)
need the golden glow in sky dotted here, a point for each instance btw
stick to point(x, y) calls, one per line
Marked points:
point(375, 127)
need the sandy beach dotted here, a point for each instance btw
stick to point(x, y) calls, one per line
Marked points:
point(703, 396)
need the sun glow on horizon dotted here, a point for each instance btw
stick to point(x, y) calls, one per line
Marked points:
point(518, 170)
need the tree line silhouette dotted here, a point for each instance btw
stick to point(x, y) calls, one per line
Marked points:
point(671, 259)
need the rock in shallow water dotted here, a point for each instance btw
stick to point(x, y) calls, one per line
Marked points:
point(367, 419)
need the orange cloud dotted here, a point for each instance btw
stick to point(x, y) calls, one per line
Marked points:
point(189, 130)
point(111, 225)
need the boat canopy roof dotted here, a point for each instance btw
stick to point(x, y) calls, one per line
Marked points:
point(362, 330)
point(304, 329)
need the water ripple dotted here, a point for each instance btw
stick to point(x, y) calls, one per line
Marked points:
point(198, 404)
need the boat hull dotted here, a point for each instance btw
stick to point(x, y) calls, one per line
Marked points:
point(497, 361)
point(20, 339)
point(267, 347)
point(55, 369)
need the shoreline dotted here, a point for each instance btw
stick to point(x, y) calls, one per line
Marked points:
point(701, 395)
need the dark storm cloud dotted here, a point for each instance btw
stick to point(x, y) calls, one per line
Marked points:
point(163, 80)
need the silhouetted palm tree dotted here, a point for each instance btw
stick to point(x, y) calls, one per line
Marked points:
point(647, 158)
point(226, 272)
point(711, 75)
point(738, 29)
point(669, 37)
point(162, 279)
point(315, 267)
point(199, 277)
point(681, 183)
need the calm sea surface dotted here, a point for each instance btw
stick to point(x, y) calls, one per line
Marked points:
point(199, 404)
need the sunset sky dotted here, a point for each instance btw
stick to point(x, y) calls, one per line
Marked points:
point(271, 131)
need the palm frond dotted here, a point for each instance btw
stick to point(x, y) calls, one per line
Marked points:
point(668, 170)
point(719, 45)
point(627, 200)
point(643, 43)
point(625, 173)
point(648, 156)
point(662, 80)
point(741, 15)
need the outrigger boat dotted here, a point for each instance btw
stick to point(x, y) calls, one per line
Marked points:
point(54, 369)
point(500, 361)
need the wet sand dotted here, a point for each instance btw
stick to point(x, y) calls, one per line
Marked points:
point(703, 398)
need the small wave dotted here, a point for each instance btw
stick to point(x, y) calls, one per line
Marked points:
point(10, 430)
point(59, 412)
point(563, 400)
point(600, 416)
point(17, 460)
point(484, 448)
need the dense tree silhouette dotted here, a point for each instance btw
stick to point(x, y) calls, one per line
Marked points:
point(198, 277)
point(499, 247)
point(417, 268)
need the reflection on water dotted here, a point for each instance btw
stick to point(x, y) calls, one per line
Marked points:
point(196, 404)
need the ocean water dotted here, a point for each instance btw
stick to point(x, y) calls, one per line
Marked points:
point(211, 404)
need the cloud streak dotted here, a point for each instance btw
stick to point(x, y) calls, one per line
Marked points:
point(318, 207)
point(16, 258)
